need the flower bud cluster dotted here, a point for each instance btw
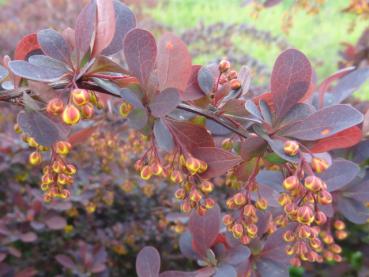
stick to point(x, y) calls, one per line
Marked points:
point(242, 224)
point(81, 105)
point(228, 76)
point(58, 174)
point(301, 200)
point(186, 173)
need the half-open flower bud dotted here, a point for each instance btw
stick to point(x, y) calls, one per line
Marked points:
point(71, 115)
point(291, 147)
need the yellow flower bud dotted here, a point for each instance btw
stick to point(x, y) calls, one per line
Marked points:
point(71, 115)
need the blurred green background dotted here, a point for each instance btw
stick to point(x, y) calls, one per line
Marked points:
point(319, 36)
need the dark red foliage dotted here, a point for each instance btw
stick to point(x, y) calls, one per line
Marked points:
point(263, 155)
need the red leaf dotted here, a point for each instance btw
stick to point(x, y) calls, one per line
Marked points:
point(344, 139)
point(26, 272)
point(54, 45)
point(85, 27)
point(267, 98)
point(190, 136)
point(65, 261)
point(124, 21)
point(148, 262)
point(25, 46)
point(164, 102)
point(366, 124)
point(105, 26)
point(325, 123)
point(204, 229)
point(140, 52)
point(290, 80)
point(193, 90)
point(219, 161)
point(81, 135)
point(325, 85)
point(56, 222)
point(28, 237)
point(174, 63)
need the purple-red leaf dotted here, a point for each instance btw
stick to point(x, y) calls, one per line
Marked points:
point(28, 237)
point(206, 80)
point(164, 102)
point(325, 85)
point(65, 261)
point(163, 138)
point(204, 229)
point(41, 128)
point(219, 161)
point(174, 63)
point(251, 147)
point(237, 255)
point(140, 52)
point(82, 135)
point(347, 86)
point(185, 245)
point(3, 73)
point(290, 80)
point(339, 174)
point(54, 45)
point(297, 113)
point(34, 72)
point(225, 270)
point(352, 209)
point(124, 21)
point(193, 90)
point(173, 273)
point(56, 222)
point(244, 77)
point(325, 123)
point(190, 136)
point(137, 118)
point(343, 139)
point(148, 262)
point(26, 46)
point(85, 27)
point(105, 26)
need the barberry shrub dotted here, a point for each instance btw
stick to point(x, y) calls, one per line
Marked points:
point(289, 161)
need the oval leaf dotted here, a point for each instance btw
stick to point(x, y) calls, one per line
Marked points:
point(344, 139)
point(38, 126)
point(290, 80)
point(339, 174)
point(164, 102)
point(53, 45)
point(174, 63)
point(204, 229)
point(347, 86)
point(219, 161)
point(124, 22)
point(190, 136)
point(163, 138)
point(193, 90)
point(148, 262)
point(36, 73)
point(140, 52)
point(56, 222)
point(85, 27)
point(3, 73)
point(105, 26)
point(325, 123)
point(206, 80)
point(26, 46)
